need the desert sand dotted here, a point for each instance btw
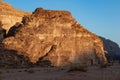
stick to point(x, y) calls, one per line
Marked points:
point(54, 73)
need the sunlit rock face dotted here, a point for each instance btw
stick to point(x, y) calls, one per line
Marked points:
point(56, 36)
point(9, 15)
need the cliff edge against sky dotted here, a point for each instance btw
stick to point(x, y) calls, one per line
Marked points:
point(49, 35)
point(9, 15)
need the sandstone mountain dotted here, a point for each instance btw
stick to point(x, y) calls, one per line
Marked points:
point(49, 35)
point(9, 15)
point(112, 48)
point(57, 37)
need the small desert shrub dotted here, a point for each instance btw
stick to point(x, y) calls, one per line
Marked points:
point(0, 78)
point(25, 70)
point(0, 72)
point(31, 71)
point(78, 67)
point(119, 61)
point(110, 64)
point(7, 71)
point(19, 71)
point(103, 65)
point(0, 75)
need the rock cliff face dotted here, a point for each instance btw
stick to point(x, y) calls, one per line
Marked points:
point(112, 48)
point(2, 32)
point(56, 36)
point(9, 15)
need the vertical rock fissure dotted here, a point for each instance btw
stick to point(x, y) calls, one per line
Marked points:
point(53, 48)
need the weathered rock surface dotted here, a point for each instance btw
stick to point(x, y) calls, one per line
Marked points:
point(10, 59)
point(112, 48)
point(9, 15)
point(56, 36)
point(2, 32)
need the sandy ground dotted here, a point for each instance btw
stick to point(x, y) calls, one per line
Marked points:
point(93, 73)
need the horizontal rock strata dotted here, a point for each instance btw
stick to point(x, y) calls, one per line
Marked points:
point(57, 37)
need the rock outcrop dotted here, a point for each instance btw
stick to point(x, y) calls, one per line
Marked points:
point(9, 15)
point(57, 37)
point(2, 32)
point(112, 48)
point(10, 59)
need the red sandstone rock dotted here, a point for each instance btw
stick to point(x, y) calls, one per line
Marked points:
point(56, 36)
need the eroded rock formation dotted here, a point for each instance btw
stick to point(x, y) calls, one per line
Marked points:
point(112, 48)
point(2, 32)
point(10, 59)
point(56, 36)
point(9, 15)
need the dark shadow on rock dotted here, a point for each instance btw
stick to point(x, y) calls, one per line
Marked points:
point(2, 32)
point(14, 29)
point(13, 59)
point(112, 48)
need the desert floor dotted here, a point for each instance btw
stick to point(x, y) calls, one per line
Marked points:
point(52, 73)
